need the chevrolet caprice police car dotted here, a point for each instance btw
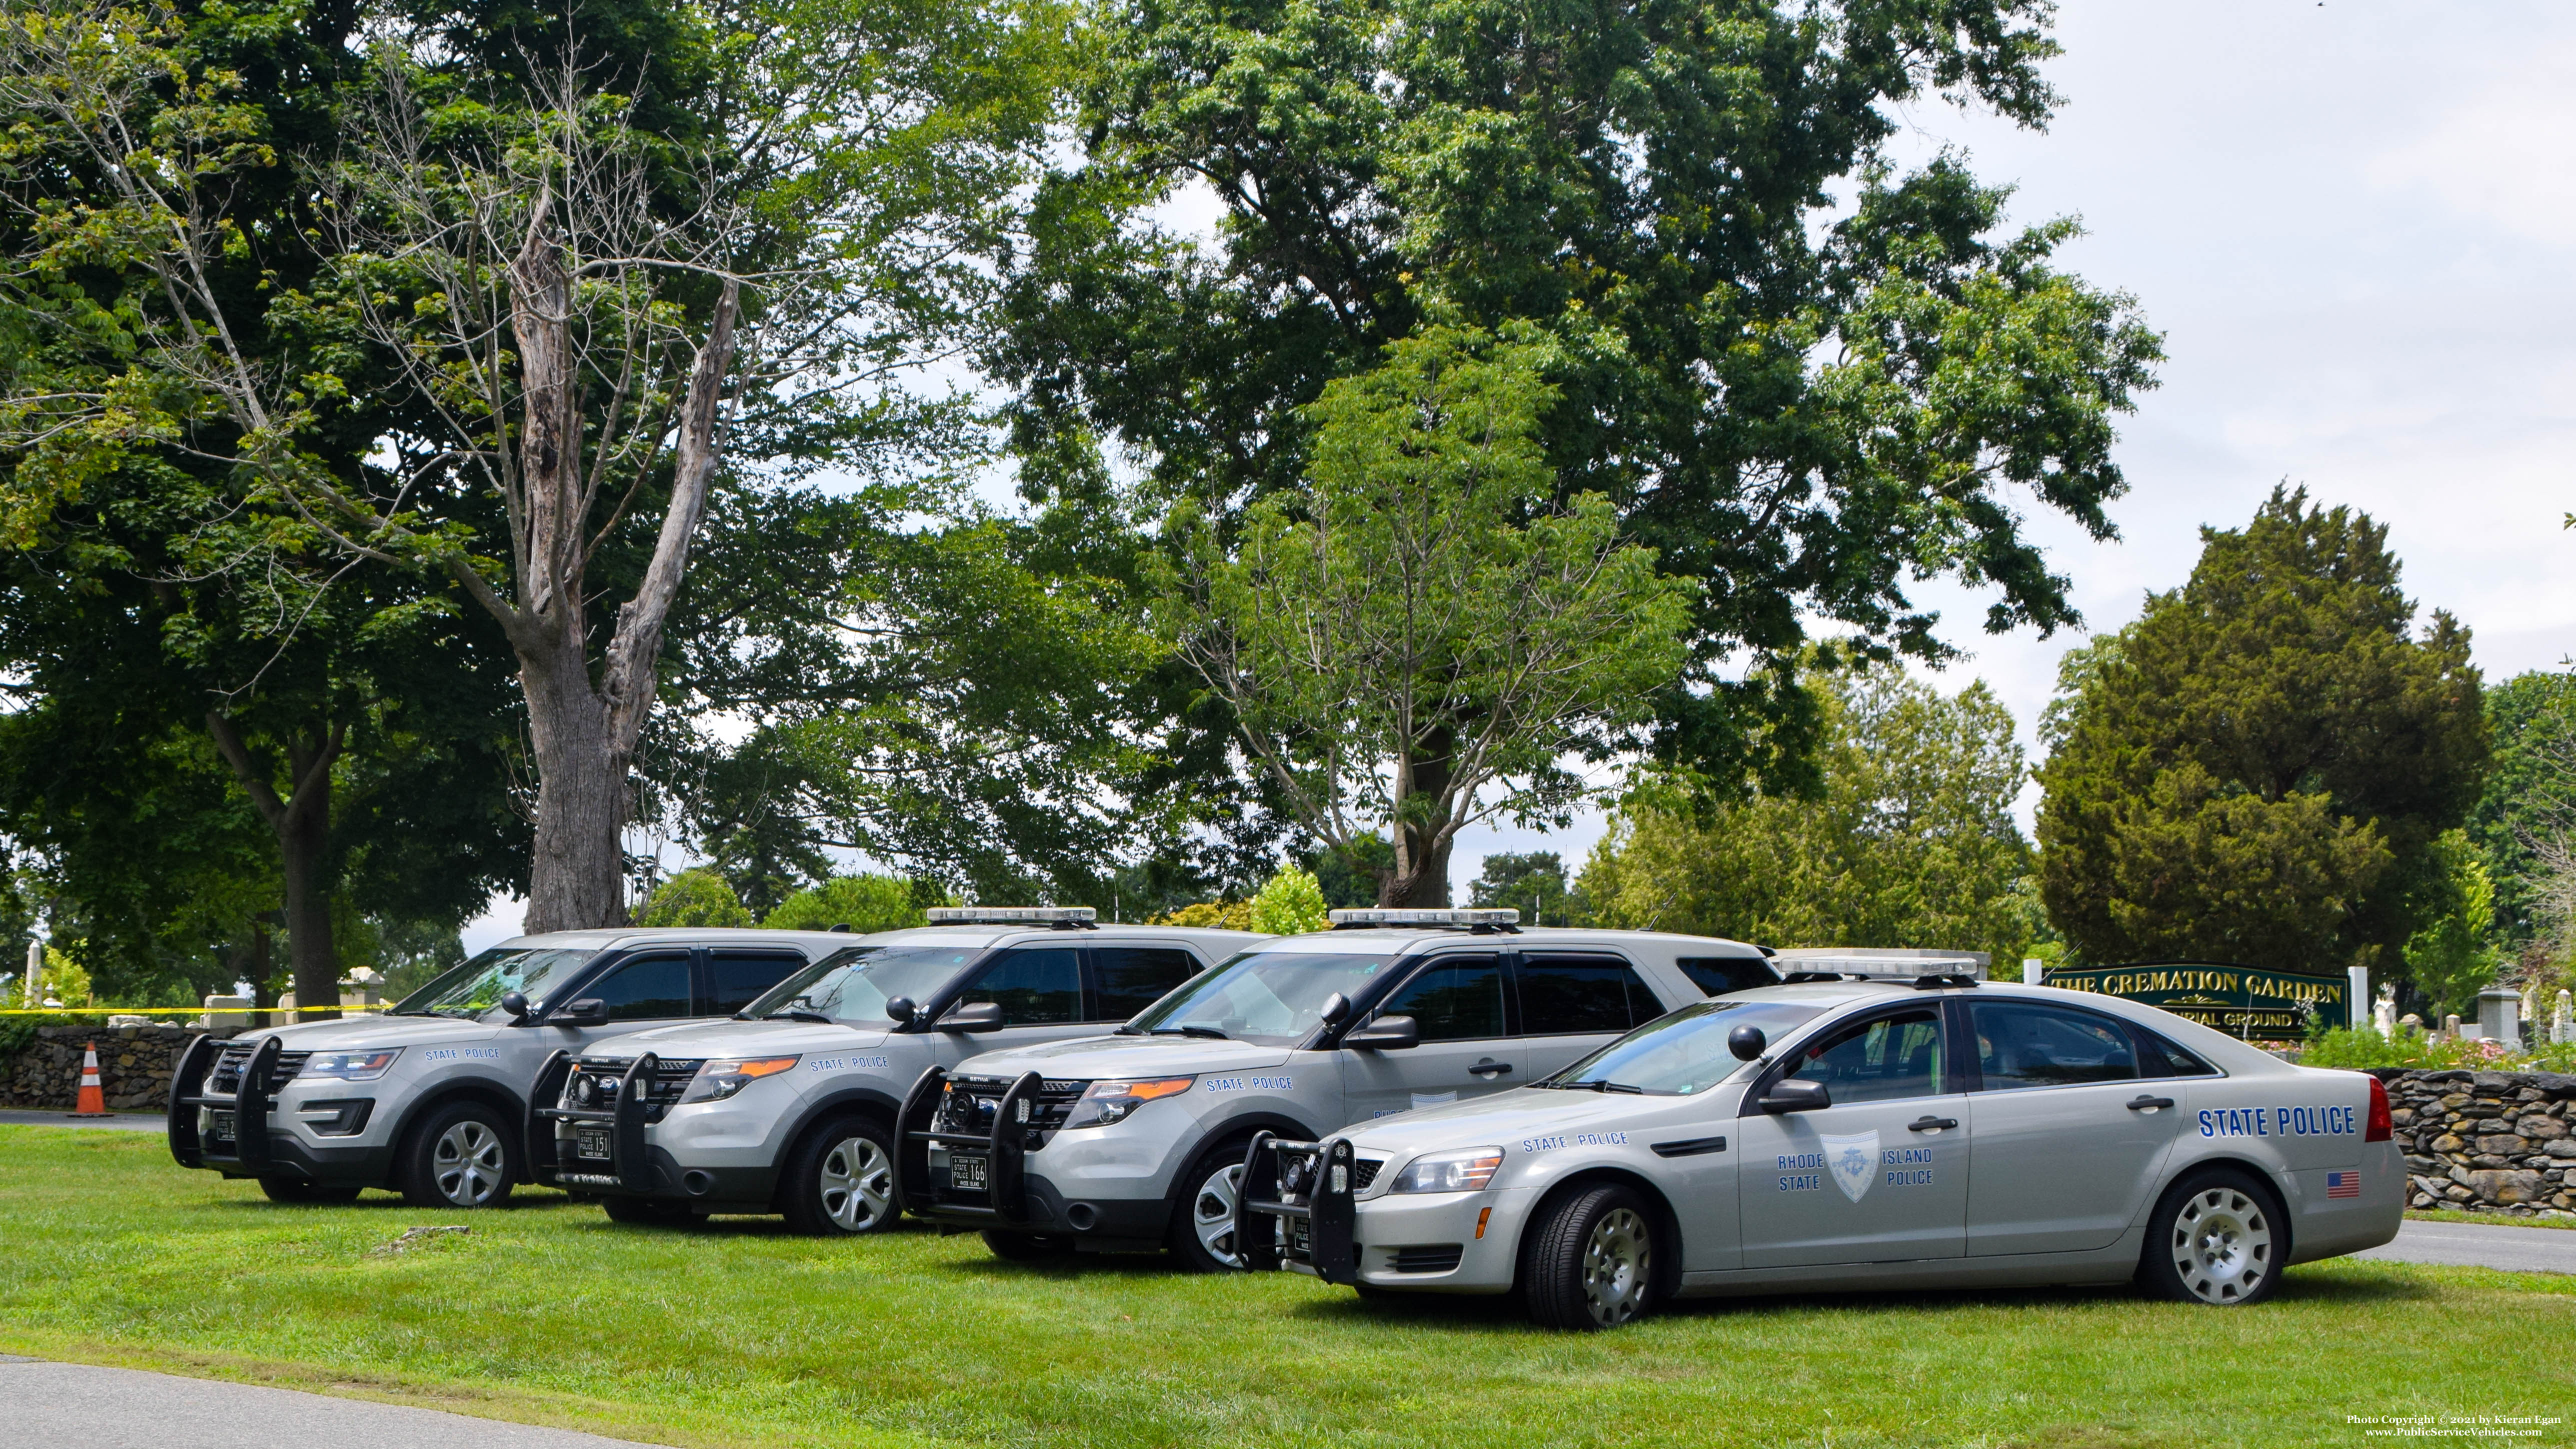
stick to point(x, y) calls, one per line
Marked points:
point(1135, 1141)
point(1851, 1134)
point(429, 1097)
point(789, 1108)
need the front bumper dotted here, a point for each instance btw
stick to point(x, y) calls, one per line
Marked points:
point(259, 1145)
point(1300, 1209)
point(608, 1151)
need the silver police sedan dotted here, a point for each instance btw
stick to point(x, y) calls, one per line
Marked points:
point(1851, 1134)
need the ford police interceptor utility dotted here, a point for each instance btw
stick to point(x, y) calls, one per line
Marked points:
point(1851, 1134)
point(1135, 1141)
point(429, 1098)
point(789, 1108)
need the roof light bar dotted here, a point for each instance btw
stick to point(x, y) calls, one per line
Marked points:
point(1492, 918)
point(1012, 915)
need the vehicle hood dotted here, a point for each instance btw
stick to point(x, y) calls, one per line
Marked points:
point(736, 1039)
point(1506, 1117)
point(1125, 1056)
point(365, 1033)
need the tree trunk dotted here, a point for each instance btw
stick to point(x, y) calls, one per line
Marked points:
point(313, 957)
point(577, 879)
point(1421, 874)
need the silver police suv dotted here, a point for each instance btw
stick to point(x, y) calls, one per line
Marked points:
point(1135, 1141)
point(789, 1108)
point(429, 1097)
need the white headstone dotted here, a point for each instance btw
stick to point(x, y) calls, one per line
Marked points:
point(2451, 1027)
point(2032, 969)
point(35, 970)
point(2356, 992)
point(2562, 1027)
point(2500, 1015)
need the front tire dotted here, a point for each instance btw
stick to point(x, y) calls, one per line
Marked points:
point(296, 1190)
point(1590, 1263)
point(1203, 1218)
point(2218, 1239)
point(462, 1157)
point(840, 1182)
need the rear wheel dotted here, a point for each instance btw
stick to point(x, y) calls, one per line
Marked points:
point(462, 1157)
point(840, 1182)
point(1029, 1247)
point(1203, 1220)
point(292, 1189)
point(645, 1212)
point(2218, 1238)
point(1590, 1262)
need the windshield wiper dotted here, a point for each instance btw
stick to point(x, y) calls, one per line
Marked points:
point(798, 1013)
point(1597, 1086)
point(1193, 1029)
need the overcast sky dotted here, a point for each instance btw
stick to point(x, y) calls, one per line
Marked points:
point(2352, 222)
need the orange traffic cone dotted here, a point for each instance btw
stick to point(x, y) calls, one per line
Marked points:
point(93, 1098)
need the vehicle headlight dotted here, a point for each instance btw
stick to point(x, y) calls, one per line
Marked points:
point(363, 1066)
point(1105, 1102)
point(723, 1076)
point(1466, 1171)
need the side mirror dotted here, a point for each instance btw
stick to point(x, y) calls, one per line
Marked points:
point(901, 1008)
point(1336, 1010)
point(515, 1004)
point(1795, 1095)
point(974, 1016)
point(589, 1011)
point(1746, 1042)
point(1386, 1034)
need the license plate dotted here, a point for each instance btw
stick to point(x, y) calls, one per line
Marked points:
point(222, 1126)
point(966, 1171)
point(591, 1142)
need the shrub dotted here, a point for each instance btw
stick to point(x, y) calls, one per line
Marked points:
point(1210, 915)
point(1290, 905)
point(2366, 1048)
point(864, 903)
point(698, 897)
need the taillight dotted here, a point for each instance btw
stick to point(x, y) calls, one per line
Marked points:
point(2379, 1128)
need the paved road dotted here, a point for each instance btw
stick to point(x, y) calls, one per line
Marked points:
point(54, 1405)
point(2475, 1245)
point(122, 1121)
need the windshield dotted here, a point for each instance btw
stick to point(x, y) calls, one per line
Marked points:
point(477, 986)
point(1685, 1052)
point(854, 985)
point(1274, 997)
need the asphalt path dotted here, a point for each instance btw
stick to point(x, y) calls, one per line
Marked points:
point(2475, 1245)
point(121, 1122)
point(54, 1405)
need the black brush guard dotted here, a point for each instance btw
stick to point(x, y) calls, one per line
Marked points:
point(1295, 1209)
point(249, 1105)
point(1006, 1147)
point(625, 1124)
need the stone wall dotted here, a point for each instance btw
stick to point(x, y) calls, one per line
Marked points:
point(134, 1065)
point(2499, 1142)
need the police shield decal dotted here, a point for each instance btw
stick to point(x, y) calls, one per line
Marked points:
point(1853, 1161)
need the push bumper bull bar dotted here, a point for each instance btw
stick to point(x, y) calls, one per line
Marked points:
point(1005, 1147)
point(252, 1151)
point(634, 1172)
point(1296, 1208)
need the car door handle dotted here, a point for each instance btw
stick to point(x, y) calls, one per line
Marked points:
point(1931, 1124)
point(1489, 1068)
point(2149, 1104)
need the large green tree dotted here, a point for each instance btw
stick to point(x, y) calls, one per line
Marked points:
point(1805, 378)
point(2529, 803)
point(1910, 842)
point(2261, 768)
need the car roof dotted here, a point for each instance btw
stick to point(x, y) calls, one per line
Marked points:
point(2207, 1041)
point(1398, 940)
point(600, 940)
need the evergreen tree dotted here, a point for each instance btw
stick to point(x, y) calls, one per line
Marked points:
point(2262, 767)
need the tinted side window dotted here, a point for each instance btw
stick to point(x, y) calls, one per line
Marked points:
point(1718, 975)
point(2175, 1061)
point(1457, 998)
point(1561, 995)
point(1131, 978)
point(1033, 987)
point(2022, 1045)
point(739, 977)
point(645, 990)
point(1893, 1056)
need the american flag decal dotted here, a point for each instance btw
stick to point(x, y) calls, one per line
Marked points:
point(2343, 1184)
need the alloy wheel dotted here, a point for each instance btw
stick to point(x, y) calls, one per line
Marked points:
point(2222, 1245)
point(857, 1184)
point(1617, 1260)
point(468, 1164)
point(1212, 1214)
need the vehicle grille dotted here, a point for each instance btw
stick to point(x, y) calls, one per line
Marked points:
point(225, 1079)
point(1364, 1171)
point(606, 1076)
point(1432, 1258)
point(970, 1101)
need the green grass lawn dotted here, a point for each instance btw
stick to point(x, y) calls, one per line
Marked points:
point(737, 1334)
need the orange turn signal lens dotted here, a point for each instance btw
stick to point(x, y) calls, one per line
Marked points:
point(1144, 1091)
point(758, 1067)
